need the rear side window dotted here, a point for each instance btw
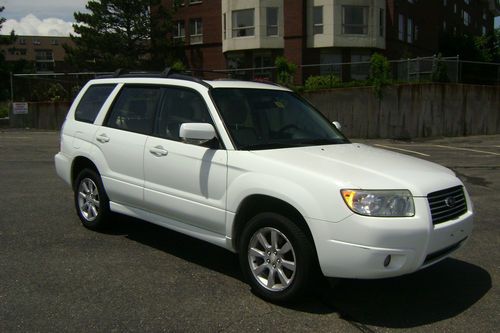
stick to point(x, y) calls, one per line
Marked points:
point(92, 101)
point(134, 109)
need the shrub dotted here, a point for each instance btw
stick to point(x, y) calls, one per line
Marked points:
point(322, 82)
point(380, 71)
point(439, 70)
point(285, 71)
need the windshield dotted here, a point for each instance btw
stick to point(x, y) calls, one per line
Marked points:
point(267, 119)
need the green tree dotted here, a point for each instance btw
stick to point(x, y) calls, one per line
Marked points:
point(121, 34)
point(4, 66)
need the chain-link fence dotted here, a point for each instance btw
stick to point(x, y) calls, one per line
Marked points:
point(59, 86)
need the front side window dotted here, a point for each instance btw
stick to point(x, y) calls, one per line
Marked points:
point(355, 20)
point(134, 109)
point(268, 119)
point(180, 105)
point(243, 23)
point(317, 20)
point(196, 31)
point(272, 21)
point(92, 101)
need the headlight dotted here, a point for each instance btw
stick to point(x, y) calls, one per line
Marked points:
point(382, 203)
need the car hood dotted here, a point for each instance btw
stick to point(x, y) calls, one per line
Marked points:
point(364, 167)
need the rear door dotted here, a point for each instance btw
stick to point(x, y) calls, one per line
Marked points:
point(185, 182)
point(121, 140)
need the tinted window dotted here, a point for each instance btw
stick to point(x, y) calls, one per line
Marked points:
point(180, 106)
point(134, 109)
point(92, 101)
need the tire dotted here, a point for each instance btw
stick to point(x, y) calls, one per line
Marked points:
point(91, 201)
point(277, 258)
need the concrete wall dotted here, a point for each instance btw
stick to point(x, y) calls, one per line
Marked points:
point(41, 115)
point(412, 110)
point(405, 111)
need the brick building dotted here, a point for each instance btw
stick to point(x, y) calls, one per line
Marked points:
point(46, 53)
point(220, 34)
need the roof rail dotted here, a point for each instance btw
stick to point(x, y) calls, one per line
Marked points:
point(166, 73)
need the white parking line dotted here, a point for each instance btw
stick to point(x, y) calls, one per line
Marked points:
point(405, 150)
point(467, 149)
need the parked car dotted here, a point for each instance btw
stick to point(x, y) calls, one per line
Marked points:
point(254, 168)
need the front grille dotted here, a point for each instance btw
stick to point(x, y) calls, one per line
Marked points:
point(447, 204)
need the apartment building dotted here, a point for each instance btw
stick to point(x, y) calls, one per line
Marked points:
point(45, 52)
point(220, 34)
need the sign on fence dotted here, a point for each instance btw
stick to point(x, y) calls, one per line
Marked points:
point(20, 108)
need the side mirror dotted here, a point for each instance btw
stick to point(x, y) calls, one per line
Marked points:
point(337, 124)
point(197, 133)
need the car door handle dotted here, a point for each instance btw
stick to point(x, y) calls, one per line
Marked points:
point(103, 138)
point(158, 151)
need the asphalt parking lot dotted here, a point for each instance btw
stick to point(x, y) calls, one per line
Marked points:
point(57, 276)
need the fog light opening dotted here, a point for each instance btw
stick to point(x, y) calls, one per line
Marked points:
point(387, 260)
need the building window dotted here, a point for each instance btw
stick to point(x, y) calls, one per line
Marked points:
point(467, 19)
point(243, 23)
point(179, 30)
point(409, 30)
point(484, 30)
point(23, 51)
point(196, 31)
point(54, 42)
point(317, 20)
point(355, 20)
point(467, 2)
point(22, 41)
point(224, 25)
point(401, 27)
point(444, 3)
point(272, 21)
point(455, 8)
point(263, 64)
point(193, 2)
point(35, 42)
point(44, 55)
point(381, 22)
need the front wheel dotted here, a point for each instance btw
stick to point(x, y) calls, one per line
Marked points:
point(91, 201)
point(277, 257)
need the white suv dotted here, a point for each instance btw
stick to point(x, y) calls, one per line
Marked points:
point(254, 168)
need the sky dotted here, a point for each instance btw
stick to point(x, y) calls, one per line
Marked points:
point(48, 17)
point(40, 17)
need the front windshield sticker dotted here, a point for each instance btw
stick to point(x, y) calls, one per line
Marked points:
point(279, 104)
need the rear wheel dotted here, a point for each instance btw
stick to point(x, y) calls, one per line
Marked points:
point(277, 257)
point(91, 201)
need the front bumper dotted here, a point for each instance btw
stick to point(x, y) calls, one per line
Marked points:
point(359, 246)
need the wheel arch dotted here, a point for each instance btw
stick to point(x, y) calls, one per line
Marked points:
point(80, 163)
point(259, 203)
